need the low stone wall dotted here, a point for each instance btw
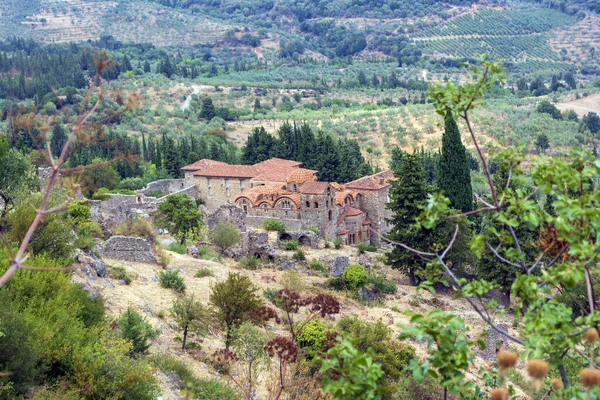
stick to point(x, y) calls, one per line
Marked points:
point(190, 191)
point(227, 213)
point(128, 248)
point(292, 225)
point(167, 186)
point(305, 238)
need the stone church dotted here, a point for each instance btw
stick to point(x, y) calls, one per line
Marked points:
point(281, 189)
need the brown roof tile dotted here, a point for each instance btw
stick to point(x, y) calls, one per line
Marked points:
point(279, 162)
point(340, 196)
point(314, 187)
point(348, 212)
point(261, 194)
point(228, 171)
point(372, 182)
point(301, 175)
point(202, 164)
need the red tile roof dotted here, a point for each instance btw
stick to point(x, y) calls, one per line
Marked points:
point(278, 173)
point(278, 162)
point(348, 212)
point(301, 175)
point(314, 187)
point(202, 164)
point(372, 182)
point(261, 194)
point(228, 171)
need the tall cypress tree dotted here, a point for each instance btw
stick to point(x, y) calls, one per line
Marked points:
point(407, 194)
point(454, 176)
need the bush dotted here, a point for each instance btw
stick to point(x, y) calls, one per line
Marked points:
point(292, 280)
point(203, 272)
point(119, 273)
point(171, 279)
point(381, 282)
point(132, 184)
point(314, 230)
point(135, 329)
point(101, 194)
point(276, 225)
point(137, 227)
point(317, 265)
point(249, 262)
point(312, 335)
point(299, 255)
point(291, 245)
point(224, 235)
point(337, 283)
point(355, 276)
point(338, 242)
point(197, 388)
point(177, 248)
point(155, 193)
point(363, 247)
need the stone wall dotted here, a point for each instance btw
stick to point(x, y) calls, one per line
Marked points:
point(372, 202)
point(305, 238)
point(127, 248)
point(218, 191)
point(290, 224)
point(227, 213)
point(167, 186)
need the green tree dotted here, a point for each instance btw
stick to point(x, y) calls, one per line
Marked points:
point(137, 330)
point(260, 146)
point(189, 314)
point(454, 176)
point(208, 109)
point(180, 216)
point(58, 140)
point(224, 235)
point(592, 121)
point(99, 174)
point(249, 345)
point(233, 299)
point(542, 144)
point(16, 173)
point(548, 108)
point(407, 195)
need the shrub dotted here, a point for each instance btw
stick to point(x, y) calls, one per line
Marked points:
point(198, 389)
point(363, 247)
point(336, 283)
point(381, 282)
point(299, 255)
point(337, 243)
point(101, 194)
point(206, 253)
point(171, 279)
point(224, 235)
point(314, 230)
point(355, 276)
point(176, 248)
point(312, 334)
point(135, 329)
point(276, 225)
point(155, 193)
point(203, 272)
point(292, 280)
point(137, 227)
point(271, 295)
point(291, 245)
point(132, 183)
point(249, 262)
point(119, 273)
point(317, 265)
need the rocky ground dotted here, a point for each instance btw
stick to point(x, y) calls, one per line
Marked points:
point(145, 294)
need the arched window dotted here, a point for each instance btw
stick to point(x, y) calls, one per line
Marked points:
point(286, 204)
point(308, 204)
point(295, 188)
point(316, 205)
point(330, 215)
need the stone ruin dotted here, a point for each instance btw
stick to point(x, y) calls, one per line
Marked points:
point(337, 265)
point(127, 248)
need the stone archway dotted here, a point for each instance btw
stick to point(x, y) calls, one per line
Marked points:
point(304, 240)
point(285, 236)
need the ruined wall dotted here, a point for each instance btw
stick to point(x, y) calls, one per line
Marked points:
point(167, 186)
point(127, 248)
point(257, 221)
point(320, 210)
point(227, 213)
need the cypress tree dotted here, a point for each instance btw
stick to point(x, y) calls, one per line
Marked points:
point(208, 109)
point(454, 176)
point(407, 194)
point(58, 140)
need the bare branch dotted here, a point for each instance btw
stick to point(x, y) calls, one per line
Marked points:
point(495, 251)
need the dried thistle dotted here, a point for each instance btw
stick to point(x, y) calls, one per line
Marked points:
point(591, 335)
point(499, 394)
point(537, 369)
point(589, 377)
point(290, 300)
point(261, 315)
point(222, 360)
point(556, 384)
point(507, 359)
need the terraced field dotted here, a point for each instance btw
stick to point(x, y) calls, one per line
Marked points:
point(515, 35)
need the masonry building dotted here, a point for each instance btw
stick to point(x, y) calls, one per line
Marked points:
point(281, 189)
